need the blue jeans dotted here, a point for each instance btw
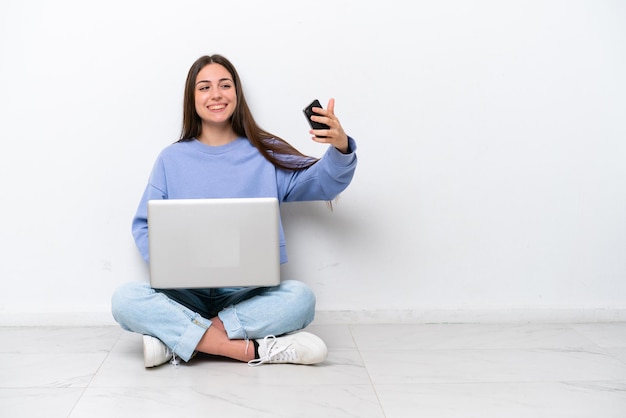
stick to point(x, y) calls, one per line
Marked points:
point(276, 310)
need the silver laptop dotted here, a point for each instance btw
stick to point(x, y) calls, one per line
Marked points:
point(199, 243)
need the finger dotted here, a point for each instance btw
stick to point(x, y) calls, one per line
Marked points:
point(331, 106)
point(320, 134)
point(318, 139)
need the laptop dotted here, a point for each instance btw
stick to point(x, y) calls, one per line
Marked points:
point(201, 243)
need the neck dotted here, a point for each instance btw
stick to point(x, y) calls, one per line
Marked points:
point(216, 136)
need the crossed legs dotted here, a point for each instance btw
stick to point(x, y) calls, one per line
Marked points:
point(277, 311)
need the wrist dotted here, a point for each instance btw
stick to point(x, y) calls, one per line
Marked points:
point(344, 148)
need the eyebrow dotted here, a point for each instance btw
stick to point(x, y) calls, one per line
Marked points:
point(219, 81)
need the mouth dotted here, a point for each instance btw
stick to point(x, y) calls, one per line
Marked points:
point(217, 107)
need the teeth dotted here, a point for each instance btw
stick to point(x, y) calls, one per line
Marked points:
point(216, 107)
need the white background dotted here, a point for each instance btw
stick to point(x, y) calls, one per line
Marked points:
point(491, 135)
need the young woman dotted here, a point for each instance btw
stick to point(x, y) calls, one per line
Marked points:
point(223, 153)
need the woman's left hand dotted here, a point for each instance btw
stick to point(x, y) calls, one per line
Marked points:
point(335, 135)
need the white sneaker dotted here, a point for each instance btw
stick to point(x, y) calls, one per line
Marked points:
point(155, 352)
point(300, 348)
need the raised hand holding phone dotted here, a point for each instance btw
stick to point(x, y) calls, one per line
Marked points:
point(326, 121)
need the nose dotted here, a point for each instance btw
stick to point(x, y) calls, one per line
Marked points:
point(215, 94)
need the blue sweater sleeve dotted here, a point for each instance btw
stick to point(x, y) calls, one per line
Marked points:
point(140, 220)
point(324, 180)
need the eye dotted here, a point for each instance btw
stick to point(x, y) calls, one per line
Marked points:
point(226, 86)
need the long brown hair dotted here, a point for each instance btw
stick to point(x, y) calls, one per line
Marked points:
point(275, 149)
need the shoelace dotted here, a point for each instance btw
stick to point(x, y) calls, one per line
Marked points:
point(174, 361)
point(275, 354)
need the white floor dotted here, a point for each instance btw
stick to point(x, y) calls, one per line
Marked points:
point(442, 370)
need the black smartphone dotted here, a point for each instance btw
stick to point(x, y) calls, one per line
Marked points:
point(308, 112)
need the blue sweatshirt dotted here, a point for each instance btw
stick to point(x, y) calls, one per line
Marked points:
point(193, 170)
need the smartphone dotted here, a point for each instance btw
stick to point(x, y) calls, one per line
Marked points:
point(308, 112)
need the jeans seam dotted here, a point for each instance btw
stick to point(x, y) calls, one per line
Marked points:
point(191, 315)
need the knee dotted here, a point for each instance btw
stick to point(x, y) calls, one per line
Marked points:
point(125, 297)
point(303, 299)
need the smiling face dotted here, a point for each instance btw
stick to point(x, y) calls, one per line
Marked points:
point(215, 96)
